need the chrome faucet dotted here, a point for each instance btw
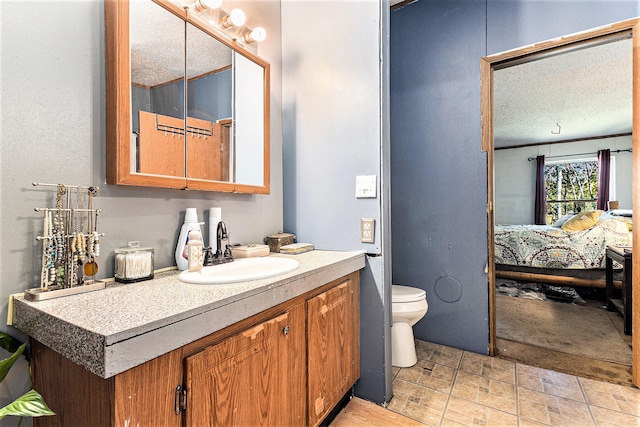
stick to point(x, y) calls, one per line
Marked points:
point(221, 234)
point(220, 256)
point(222, 237)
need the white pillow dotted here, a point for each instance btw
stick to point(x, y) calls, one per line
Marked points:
point(621, 212)
point(560, 222)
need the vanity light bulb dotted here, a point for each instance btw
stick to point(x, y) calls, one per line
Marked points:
point(258, 34)
point(202, 5)
point(235, 18)
point(238, 17)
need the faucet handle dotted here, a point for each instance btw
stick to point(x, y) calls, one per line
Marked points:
point(209, 256)
point(228, 252)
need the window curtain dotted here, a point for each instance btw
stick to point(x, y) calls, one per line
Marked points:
point(541, 197)
point(604, 171)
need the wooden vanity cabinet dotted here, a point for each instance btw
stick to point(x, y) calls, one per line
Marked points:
point(288, 365)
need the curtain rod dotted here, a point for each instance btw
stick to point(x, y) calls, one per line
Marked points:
point(581, 154)
point(563, 141)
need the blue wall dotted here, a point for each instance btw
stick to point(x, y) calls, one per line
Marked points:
point(516, 23)
point(210, 97)
point(438, 172)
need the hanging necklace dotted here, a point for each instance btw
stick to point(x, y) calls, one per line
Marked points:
point(59, 237)
point(47, 275)
point(91, 267)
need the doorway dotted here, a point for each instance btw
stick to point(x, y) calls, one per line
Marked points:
point(490, 64)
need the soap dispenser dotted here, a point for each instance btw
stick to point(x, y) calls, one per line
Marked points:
point(190, 224)
point(194, 248)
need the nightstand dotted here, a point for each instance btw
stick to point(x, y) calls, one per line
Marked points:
point(623, 256)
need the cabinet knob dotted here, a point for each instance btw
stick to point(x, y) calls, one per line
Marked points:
point(285, 330)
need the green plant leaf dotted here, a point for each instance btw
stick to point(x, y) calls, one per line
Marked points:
point(8, 342)
point(7, 363)
point(11, 344)
point(30, 404)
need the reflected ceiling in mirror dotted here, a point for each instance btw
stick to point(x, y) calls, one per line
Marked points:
point(154, 45)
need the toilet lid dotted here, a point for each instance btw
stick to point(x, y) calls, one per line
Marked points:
point(401, 293)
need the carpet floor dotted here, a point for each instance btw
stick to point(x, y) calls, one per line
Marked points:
point(567, 328)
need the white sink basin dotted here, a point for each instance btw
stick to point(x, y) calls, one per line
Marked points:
point(240, 270)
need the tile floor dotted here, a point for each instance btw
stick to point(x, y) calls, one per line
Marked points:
point(451, 387)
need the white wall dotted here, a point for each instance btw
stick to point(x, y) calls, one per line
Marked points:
point(335, 121)
point(515, 176)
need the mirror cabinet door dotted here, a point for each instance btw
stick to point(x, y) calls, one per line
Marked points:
point(249, 120)
point(157, 90)
point(209, 106)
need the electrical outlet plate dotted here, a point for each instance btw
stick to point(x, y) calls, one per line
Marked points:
point(367, 230)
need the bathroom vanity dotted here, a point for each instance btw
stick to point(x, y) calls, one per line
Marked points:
point(278, 351)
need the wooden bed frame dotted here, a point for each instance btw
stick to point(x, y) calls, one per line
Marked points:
point(591, 278)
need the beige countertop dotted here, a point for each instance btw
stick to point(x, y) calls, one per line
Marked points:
point(119, 327)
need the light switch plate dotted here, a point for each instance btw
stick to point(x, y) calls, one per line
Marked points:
point(366, 187)
point(367, 230)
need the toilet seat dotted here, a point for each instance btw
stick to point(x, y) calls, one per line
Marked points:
point(400, 293)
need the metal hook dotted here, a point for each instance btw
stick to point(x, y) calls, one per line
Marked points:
point(559, 129)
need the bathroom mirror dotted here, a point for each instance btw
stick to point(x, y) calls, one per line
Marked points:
point(163, 61)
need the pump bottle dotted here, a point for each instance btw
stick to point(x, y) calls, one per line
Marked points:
point(190, 224)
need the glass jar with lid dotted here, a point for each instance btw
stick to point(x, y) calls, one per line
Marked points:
point(133, 263)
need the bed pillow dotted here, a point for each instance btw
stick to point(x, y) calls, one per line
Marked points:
point(628, 221)
point(560, 222)
point(621, 212)
point(582, 221)
point(625, 219)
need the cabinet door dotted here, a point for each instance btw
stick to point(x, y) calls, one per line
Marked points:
point(253, 378)
point(333, 347)
point(145, 395)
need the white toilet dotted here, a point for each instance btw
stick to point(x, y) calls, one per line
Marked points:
point(408, 305)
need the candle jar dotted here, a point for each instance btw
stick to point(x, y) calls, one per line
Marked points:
point(133, 263)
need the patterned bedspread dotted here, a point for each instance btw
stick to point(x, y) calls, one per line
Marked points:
point(552, 247)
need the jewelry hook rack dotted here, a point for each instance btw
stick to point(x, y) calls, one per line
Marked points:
point(70, 243)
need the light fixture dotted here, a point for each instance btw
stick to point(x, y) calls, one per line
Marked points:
point(202, 5)
point(258, 34)
point(235, 18)
point(210, 12)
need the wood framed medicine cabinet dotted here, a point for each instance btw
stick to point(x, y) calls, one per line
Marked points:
point(163, 60)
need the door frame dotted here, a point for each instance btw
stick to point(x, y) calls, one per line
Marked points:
point(488, 65)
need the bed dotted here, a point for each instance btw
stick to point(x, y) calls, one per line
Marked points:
point(557, 254)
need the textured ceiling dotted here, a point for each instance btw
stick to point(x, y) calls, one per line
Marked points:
point(578, 93)
point(157, 47)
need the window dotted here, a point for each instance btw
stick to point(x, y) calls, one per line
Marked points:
point(571, 186)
